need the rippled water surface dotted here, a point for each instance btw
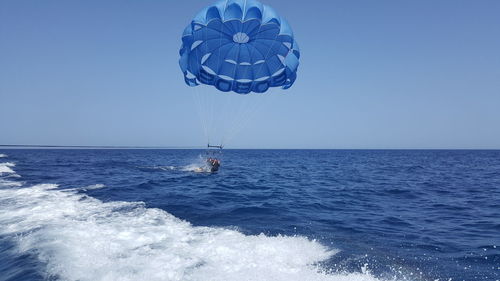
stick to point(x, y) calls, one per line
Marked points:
point(266, 215)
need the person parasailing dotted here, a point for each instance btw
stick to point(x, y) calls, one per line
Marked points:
point(212, 162)
point(239, 46)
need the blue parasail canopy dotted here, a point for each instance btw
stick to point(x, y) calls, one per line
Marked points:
point(241, 46)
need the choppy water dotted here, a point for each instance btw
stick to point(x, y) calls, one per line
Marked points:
point(266, 215)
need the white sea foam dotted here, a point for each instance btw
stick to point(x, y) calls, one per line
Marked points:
point(2, 155)
point(94, 186)
point(7, 183)
point(167, 168)
point(197, 168)
point(7, 172)
point(5, 168)
point(199, 165)
point(81, 238)
point(164, 168)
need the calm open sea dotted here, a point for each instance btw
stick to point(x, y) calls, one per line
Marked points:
point(266, 215)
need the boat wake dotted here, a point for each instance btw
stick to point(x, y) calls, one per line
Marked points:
point(77, 237)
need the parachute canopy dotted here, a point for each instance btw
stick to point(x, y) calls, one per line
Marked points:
point(241, 46)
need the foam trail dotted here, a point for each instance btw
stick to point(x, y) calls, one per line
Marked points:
point(79, 237)
point(167, 168)
point(94, 186)
point(2, 155)
point(163, 168)
point(198, 166)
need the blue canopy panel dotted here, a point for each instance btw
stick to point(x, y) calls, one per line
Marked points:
point(241, 46)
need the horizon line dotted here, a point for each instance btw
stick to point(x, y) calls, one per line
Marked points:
point(13, 146)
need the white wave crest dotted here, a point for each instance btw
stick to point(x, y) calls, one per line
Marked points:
point(3, 155)
point(81, 238)
point(5, 168)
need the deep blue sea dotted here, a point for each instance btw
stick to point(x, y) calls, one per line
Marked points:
point(99, 214)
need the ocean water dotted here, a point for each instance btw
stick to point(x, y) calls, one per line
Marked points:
point(266, 215)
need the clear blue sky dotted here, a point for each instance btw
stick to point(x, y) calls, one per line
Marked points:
point(373, 74)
